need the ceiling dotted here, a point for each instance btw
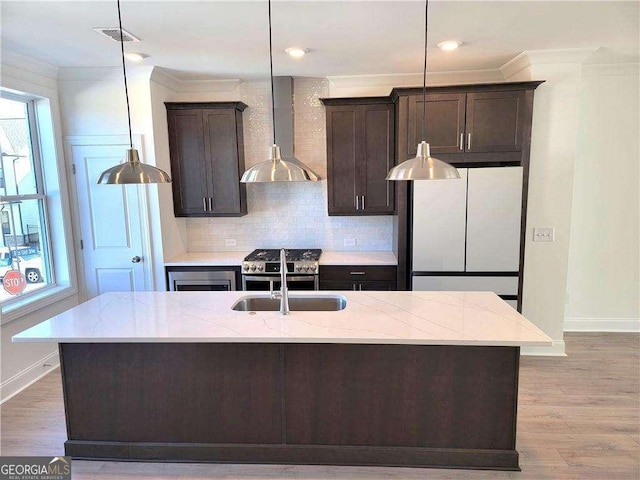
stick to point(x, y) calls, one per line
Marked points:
point(229, 39)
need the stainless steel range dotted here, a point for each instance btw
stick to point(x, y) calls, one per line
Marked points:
point(261, 269)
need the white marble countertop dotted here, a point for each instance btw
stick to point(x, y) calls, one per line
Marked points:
point(328, 257)
point(358, 258)
point(419, 318)
point(197, 259)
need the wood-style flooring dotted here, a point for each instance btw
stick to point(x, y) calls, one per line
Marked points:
point(578, 419)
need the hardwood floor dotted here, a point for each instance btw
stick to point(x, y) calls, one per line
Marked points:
point(578, 419)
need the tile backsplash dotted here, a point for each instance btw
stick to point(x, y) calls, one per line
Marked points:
point(291, 215)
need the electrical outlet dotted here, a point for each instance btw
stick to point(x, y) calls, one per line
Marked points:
point(349, 242)
point(543, 234)
point(230, 242)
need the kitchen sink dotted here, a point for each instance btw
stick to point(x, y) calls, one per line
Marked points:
point(319, 303)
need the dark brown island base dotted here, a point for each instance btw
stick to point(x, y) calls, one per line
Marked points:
point(347, 402)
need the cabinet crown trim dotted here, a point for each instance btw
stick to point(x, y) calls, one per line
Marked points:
point(469, 88)
point(240, 106)
point(356, 100)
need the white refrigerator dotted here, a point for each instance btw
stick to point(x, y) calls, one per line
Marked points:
point(465, 233)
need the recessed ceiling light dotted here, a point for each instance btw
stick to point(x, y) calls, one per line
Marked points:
point(449, 45)
point(135, 57)
point(297, 52)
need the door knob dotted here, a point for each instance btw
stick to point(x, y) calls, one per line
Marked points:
point(136, 259)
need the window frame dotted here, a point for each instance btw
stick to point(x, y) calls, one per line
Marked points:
point(40, 113)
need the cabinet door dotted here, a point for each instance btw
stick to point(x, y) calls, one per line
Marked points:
point(342, 139)
point(495, 121)
point(445, 122)
point(376, 159)
point(221, 153)
point(188, 168)
point(439, 211)
point(493, 219)
point(338, 285)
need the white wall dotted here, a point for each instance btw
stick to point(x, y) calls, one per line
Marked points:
point(23, 363)
point(602, 285)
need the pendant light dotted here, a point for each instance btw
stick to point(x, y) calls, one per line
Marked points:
point(276, 168)
point(423, 166)
point(132, 170)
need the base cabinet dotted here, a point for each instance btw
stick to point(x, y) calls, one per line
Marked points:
point(358, 277)
point(333, 404)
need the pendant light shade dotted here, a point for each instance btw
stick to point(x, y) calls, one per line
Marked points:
point(132, 170)
point(276, 168)
point(423, 166)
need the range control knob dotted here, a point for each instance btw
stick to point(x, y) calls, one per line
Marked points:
point(245, 268)
point(298, 268)
point(260, 268)
point(312, 268)
point(252, 268)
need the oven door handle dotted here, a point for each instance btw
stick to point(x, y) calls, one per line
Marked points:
point(276, 278)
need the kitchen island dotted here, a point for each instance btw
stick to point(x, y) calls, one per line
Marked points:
point(395, 378)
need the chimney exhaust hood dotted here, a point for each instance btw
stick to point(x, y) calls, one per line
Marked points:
point(282, 166)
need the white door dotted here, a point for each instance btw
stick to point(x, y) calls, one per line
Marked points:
point(111, 219)
point(439, 224)
point(494, 204)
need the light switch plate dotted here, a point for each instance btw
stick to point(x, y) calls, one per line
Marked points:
point(230, 242)
point(349, 242)
point(544, 234)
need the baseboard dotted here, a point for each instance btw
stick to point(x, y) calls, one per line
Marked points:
point(14, 385)
point(578, 324)
point(555, 350)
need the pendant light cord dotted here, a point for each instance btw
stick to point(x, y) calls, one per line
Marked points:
point(273, 107)
point(424, 74)
point(124, 72)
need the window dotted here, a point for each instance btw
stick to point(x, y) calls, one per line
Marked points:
point(24, 243)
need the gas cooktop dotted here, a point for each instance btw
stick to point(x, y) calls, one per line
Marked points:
point(293, 255)
point(268, 261)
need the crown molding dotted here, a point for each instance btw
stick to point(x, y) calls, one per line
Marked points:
point(166, 79)
point(81, 74)
point(530, 58)
point(386, 82)
point(29, 64)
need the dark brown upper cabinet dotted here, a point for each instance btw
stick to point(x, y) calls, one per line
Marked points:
point(466, 124)
point(207, 159)
point(360, 152)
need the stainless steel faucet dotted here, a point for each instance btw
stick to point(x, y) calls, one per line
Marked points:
point(283, 294)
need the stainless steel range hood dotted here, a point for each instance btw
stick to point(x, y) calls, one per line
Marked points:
point(282, 166)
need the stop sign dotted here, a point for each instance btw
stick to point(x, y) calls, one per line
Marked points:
point(14, 282)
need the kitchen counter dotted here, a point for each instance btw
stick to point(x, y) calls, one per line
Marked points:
point(419, 318)
point(328, 257)
point(357, 258)
point(411, 379)
point(206, 259)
